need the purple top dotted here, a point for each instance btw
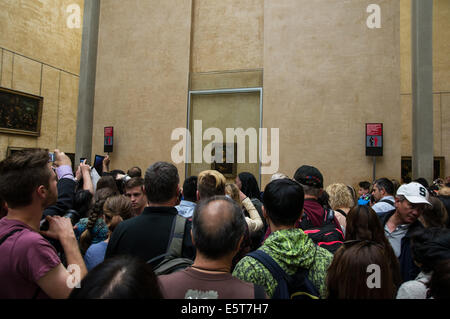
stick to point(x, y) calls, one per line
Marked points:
point(26, 256)
point(64, 171)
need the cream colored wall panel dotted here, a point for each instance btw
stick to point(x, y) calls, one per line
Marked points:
point(26, 75)
point(226, 80)
point(405, 46)
point(50, 92)
point(142, 79)
point(437, 125)
point(441, 46)
point(7, 69)
point(39, 29)
point(227, 35)
point(22, 141)
point(325, 75)
point(67, 113)
point(227, 111)
point(445, 108)
point(3, 145)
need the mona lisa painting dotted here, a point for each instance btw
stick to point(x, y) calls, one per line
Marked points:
point(219, 159)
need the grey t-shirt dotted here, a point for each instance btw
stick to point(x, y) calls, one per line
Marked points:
point(395, 237)
point(193, 284)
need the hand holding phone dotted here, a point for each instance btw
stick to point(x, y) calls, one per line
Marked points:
point(61, 159)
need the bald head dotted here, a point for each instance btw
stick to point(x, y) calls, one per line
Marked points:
point(217, 226)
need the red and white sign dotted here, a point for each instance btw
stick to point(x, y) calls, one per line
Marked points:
point(374, 139)
point(374, 129)
point(109, 130)
point(108, 141)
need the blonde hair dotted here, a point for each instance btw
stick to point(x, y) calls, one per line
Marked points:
point(339, 196)
point(233, 191)
point(210, 183)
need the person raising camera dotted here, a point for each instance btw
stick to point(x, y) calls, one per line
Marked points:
point(30, 266)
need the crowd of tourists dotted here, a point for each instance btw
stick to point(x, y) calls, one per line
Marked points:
point(143, 234)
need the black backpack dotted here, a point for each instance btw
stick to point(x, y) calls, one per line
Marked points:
point(327, 235)
point(172, 260)
point(297, 286)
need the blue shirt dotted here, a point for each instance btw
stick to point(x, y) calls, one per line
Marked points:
point(186, 208)
point(364, 200)
point(95, 255)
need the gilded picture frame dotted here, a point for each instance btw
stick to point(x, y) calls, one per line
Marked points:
point(20, 113)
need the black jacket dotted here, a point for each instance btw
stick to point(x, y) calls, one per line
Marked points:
point(66, 195)
point(445, 199)
point(408, 268)
point(147, 235)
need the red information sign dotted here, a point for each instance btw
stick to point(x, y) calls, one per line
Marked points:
point(108, 141)
point(374, 129)
point(374, 139)
point(109, 131)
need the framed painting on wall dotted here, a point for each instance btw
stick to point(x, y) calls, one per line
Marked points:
point(20, 113)
point(11, 150)
point(219, 159)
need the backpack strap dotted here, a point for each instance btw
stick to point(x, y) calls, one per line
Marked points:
point(259, 291)
point(342, 212)
point(175, 245)
point(277, 272)
point(388, 201)
point(176, 241)
point(9, 234)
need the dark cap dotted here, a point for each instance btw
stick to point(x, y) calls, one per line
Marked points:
point(309, 175)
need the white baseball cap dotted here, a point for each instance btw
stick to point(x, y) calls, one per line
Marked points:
point(415, 193)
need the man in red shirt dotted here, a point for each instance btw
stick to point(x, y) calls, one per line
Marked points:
point(30, 266)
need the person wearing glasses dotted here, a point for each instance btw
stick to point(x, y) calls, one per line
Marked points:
point(410, 201)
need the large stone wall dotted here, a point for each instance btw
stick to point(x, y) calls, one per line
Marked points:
point(40, 55)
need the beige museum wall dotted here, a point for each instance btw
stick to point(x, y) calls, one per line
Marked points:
point(227, 35)
point(441, 79)
point(307, 53)
point(142, 79)
point(40, 55)
point(311, 52)
point(325, 75)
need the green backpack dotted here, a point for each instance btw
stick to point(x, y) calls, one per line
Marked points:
point(173, 261)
